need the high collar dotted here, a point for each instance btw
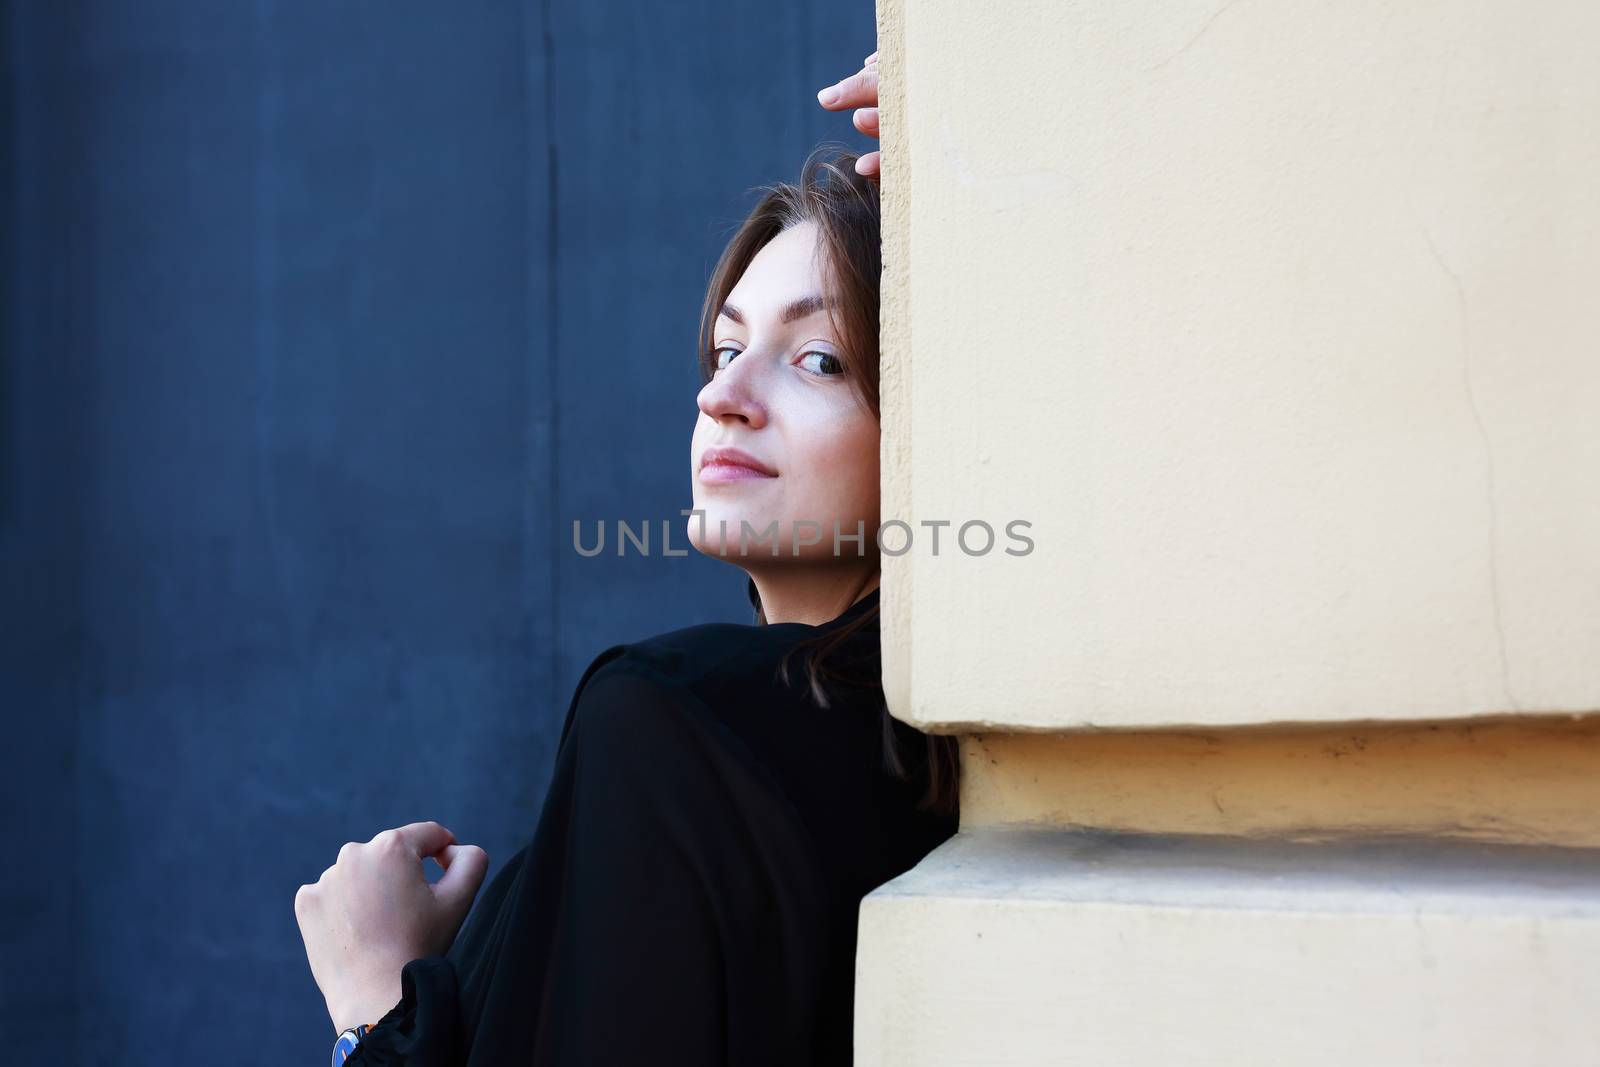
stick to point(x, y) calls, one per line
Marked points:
point(864, 604)
point(860, 607)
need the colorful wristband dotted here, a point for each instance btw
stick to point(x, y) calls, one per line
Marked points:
point(347, 1043)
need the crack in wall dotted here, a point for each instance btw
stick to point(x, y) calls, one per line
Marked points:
point(1194, 38)
point(1488, 464)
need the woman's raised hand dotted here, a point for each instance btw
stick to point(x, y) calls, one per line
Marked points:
point(374, 911)
point(860, 91)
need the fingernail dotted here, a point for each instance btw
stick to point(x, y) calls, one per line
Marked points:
point(829, 95)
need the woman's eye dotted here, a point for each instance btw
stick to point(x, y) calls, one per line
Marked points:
point(717, 362)
point(827, 364)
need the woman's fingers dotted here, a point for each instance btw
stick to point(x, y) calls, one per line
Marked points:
point(464, 868)
point(424, 838)
point(858, 90)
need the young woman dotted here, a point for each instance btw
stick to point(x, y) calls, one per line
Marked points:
point(723, 795)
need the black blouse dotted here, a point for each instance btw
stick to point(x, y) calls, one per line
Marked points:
point(691, 890)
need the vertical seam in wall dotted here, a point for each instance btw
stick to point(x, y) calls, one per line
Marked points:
point(53, 72)
point(552, 335)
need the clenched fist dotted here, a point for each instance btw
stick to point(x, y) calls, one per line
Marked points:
point(374, 911)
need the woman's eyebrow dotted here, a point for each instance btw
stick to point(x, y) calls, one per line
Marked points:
point(806, 305)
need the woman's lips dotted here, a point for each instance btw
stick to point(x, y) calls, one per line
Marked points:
point(724, 463)
point(717, 473)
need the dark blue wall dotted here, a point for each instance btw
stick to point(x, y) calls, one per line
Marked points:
point(321, 322)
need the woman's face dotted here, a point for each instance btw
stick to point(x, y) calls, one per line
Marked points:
point(780, 397)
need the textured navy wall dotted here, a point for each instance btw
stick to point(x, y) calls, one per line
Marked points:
point(321, 323)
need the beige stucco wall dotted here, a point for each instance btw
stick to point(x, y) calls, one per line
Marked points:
point(1277, 323)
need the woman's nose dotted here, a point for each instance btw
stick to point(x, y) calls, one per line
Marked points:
point(736, 392)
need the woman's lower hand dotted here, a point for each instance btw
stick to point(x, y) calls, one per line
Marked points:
point(374, 911)
point(859, 91)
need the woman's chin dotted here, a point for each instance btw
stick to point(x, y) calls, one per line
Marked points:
point(730, 535)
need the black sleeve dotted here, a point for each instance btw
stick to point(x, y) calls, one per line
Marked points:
point(423, 1029)
point(669, 910)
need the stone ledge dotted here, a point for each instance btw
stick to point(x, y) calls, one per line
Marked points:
point(1205, 871)
point(1529, 781)
point(1021, 946)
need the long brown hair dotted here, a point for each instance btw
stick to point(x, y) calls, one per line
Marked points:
point(844, 206)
